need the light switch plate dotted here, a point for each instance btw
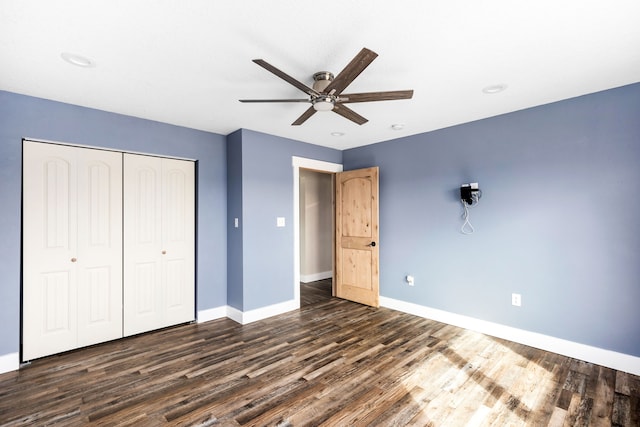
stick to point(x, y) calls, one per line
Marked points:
point(280, 221)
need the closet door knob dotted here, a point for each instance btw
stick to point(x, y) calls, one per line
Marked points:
point(164, 252)
point(74, 259)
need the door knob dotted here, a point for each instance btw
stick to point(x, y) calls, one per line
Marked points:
point(74, 259)
point(372, 244)
point(164, 252)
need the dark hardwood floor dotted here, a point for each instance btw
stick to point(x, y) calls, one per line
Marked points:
point(332, 362)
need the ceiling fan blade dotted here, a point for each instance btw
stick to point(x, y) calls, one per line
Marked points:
point(284, 76)
point(375, 96)
point(351, 71)
point(303, 118)
point(274, 100)
point(348, 113)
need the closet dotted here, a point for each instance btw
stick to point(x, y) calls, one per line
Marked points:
point(108, 246)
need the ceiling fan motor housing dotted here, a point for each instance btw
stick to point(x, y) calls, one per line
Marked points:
point(321, 80)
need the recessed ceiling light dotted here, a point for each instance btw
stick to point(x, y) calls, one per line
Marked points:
point(77, 60)
point(494, 88)
point(337, 133)
point(397, 126)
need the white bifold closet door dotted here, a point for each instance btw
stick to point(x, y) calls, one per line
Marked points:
point(159, 243)
point(72, 248)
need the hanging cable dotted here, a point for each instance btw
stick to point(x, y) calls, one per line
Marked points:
point(467, 227)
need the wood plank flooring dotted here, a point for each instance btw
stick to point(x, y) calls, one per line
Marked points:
point(332, 363)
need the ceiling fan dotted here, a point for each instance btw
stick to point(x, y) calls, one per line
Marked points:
point(326, 93)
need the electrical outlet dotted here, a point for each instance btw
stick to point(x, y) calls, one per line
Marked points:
point(410, 280)
point(516, 299)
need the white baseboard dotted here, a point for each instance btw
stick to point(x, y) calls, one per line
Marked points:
point(610, 359)
point(234, 314)
point(9, 362)
point(212, 314)
point(244, 317)
point(307, 278)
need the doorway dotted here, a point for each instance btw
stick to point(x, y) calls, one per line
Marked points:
point(316, 225)
point(301, 164)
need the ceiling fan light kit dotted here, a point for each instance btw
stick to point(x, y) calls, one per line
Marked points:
point(323, 103)
point(326, 93)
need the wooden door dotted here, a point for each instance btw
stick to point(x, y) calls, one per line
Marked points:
point(159, 284)
point(72, 248)
point(357, 248)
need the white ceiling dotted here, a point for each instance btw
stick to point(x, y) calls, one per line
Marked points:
point(188, 62)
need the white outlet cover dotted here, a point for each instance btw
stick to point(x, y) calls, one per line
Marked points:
point(516, 300)
point(280, 221)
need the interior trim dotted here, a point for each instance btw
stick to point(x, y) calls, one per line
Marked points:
point(211, 314)
point(314, 277)
point(244, 317)
point(9, 362)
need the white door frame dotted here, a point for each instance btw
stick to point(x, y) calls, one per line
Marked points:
point(305, 163)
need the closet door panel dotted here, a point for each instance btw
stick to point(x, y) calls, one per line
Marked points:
point(99, 246)
point(49, 244)
point(142, 242)
point(159, 243)
point(178, 230)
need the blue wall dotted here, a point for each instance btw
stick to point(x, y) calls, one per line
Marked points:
point(267, 193)
point(23, 116)
point(234, 210)
point(558, 222)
